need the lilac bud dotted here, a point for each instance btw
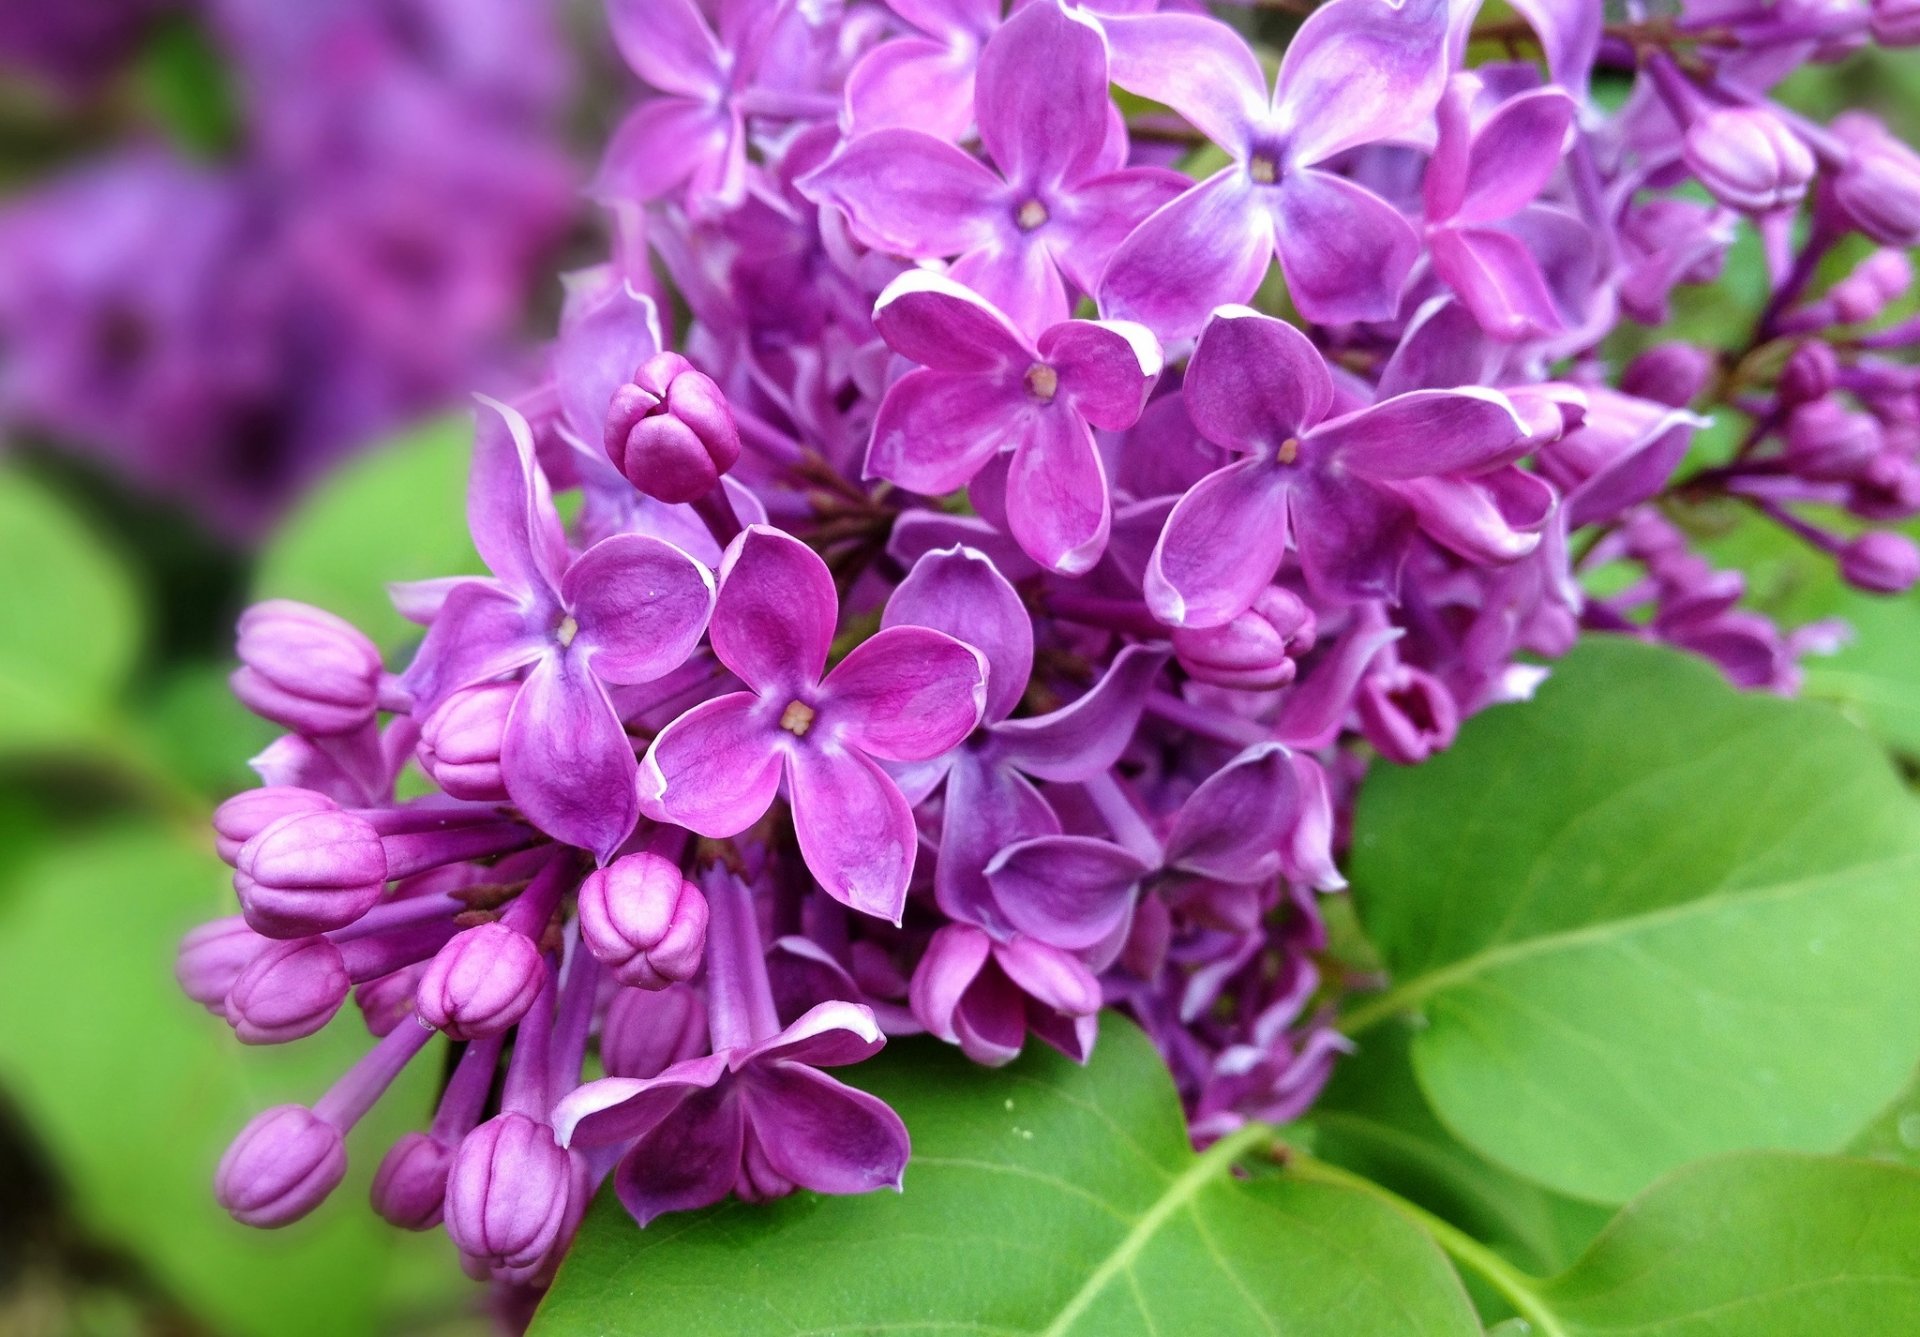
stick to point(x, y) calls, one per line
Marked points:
point(460, 742)
point(282, 1166)
point(1876, 281)
point(1408, 715)
point(645, 922)
point(410, 1187)
point(1748, 159)
point(646, 1031)
point(387, 1001)
point(289, 990)
point(507, 1191)
point(1878, 191)
point(1895, 22)
point(1828, 441)
point(310, 873)
point(247, 814)
point(482, 982)
point(1809, 373)
point(669, 430)
point(211, 958)
point(305, 669)
point(1673, 373)
point(1256, 650)
point(1889, 489)
point(1880, 562)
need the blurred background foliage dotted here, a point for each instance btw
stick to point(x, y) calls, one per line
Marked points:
point(118, 735)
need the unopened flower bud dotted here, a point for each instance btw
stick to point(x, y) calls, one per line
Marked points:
point(482, 982)
point(1748, 159)
point(1828, 441)
point(310, 873)
point(1880, 562)
point(1874, 283)
point(211, 957)
point(644, 921)
point(646, 1031)
point(507, 1192)
point(460, 742)
point(1888, 489)
point(1895, 22)
point(288, 991)
point(282, 1166)
point(305, 669)
point(252, 811)
point(1408, 715)
point(1673, 373)
point(1878, 190)
point(410, 1187)
point(669, 430)
point(1809, 373)
point(1256, 650)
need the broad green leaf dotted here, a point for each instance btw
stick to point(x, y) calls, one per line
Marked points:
point(135, 1090)
point(195, 727)
point(398, 512)
point(69, 620)
point(1042, 1198)
point(1646, 919)
point(1763, 1243)
point(1895, 1134)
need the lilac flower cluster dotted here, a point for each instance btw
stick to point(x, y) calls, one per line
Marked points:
point(218, 331)
point(985, 612)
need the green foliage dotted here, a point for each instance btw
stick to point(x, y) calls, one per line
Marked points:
point(393, 514)
point(1042, 1198)
point(1646, 919)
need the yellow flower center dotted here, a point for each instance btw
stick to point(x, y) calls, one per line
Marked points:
point(1042, 382)
point(797, 718)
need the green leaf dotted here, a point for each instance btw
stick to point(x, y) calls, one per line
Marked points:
point(196, 728)
point(69, 621)
point(136, 1091)
point(1646, 919)
point(1042, 1198)
point(1764, 1243)
point(396, 513)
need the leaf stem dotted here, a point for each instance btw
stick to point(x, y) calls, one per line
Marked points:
point(1515, 1286)
point(1381, 1007)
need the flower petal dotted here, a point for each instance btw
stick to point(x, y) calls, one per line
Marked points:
point(567, 762)
point(617, 1109)
point(905, 694)
point(855, 828)
point(1057, 503)
point(715, 770)
point(1515, 154)
point(1255, 381)
point(690, 1159)
point(830, 1035)
point(1106, 368)
point(1208, 246)
point(1040, 95)
point(1231, 825)
point(1050, 976)
point(1222, 545)
point(668, 44)
point(660, 145)
point(481, 632)
point(1080, 740)
point(1070, 891)
point(960, 591)
point(1496, 517)
point(641, 605)
point(1345, 251)
point(1089, 224)
point(1017, 275)
point(823, 1134)
point(1362, 71)
point(908, 193)
point(1497, 279)
point(912, 83)
point(603, 338)
point(1426, 432)
point(1352, 538)
point(1195, 64)
point(948, 968)
point(930, 319)
point(935, 429)
point(773, 620)
point(509, 508)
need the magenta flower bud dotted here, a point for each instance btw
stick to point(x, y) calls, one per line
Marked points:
point(507, 1192)
point(1880, 562)
point(1809, 373)
point(410, 1187)
point(1874, 283)
point(647, 1031)
point(1895, 22)
point(282, 1166)
point(247, 814)
point(1673, 373)
point(669, 430)
point(482, 982)
point(645, 922)
point(1408, 715)
point(1878, 191)
point(310, 873)
point(211, 957)
point(460, 741)
point(1828, 441)
point(1256, 650)
point(1748, 159)
point(305, 669)
point(288, 991)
